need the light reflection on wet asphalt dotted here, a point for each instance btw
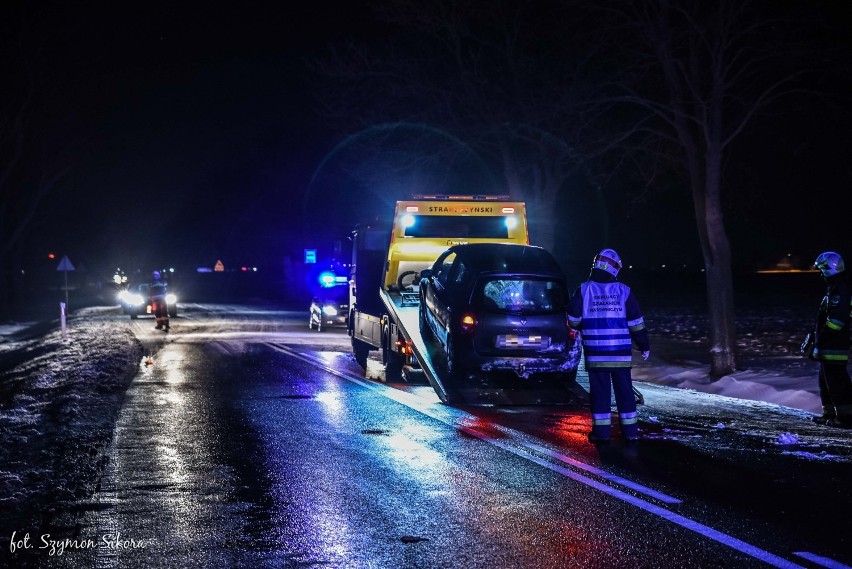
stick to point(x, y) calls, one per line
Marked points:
point(235, 448)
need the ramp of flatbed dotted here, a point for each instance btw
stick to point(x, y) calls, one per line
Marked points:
point(408, 320)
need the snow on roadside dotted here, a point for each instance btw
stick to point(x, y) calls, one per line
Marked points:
point(799, 391)
point(58, 401)
point(768, 341)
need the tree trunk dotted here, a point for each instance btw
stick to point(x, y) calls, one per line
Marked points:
point(717, 262)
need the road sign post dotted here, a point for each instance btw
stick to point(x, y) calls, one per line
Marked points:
point(65, 266)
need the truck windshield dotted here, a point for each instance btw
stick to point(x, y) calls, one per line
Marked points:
point(521, 295)
point(473, 227)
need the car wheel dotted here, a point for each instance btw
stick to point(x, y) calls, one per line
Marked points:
point(425, 331)
point(361, 351)
point(453, 367)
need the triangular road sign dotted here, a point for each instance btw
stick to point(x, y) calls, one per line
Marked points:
point(65, 264)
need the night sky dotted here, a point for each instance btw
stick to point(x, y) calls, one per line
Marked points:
point(192, 135)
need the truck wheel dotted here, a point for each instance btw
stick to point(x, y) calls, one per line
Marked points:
point(361, 351)
point(133, 316)
point(392, 360)
point(393, 365)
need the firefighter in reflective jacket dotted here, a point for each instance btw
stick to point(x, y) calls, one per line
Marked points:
point(607, 315)
point(831, 346)
point(157, 290)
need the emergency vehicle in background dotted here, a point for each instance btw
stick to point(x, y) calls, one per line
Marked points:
point(385, 271)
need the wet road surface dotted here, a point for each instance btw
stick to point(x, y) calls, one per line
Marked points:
point(247, 440)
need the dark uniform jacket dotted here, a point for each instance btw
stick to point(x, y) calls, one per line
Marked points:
point(832, 324)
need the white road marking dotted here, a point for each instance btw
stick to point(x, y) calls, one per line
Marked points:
point(821, 561)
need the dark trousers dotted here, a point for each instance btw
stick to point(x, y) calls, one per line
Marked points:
point(602, 383)
point(161, 311)
point(835, 389)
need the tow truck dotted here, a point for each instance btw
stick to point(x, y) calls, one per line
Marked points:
point(386, 264)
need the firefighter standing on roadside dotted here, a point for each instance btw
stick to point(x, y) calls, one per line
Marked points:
point(831, 344)
point(157, 291)
point(607, 315)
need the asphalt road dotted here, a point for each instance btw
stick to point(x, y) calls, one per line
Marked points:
point(251, 441)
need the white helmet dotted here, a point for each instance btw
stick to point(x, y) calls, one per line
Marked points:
point(609, 261)
point(829, 263)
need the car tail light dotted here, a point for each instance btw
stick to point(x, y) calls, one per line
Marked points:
point(404, 348)
point(468, 323)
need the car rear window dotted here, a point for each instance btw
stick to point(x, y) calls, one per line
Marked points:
point(521, 295)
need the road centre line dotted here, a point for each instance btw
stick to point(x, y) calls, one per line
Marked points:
point(453, 420)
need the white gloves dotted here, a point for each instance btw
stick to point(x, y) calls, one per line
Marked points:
point(646, 354)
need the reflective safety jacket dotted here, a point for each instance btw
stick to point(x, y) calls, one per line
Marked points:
point(832, 323)
point(608, 317)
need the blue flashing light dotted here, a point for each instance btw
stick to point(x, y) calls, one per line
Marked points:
point(327, 279)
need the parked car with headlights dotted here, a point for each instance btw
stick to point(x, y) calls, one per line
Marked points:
point(498, 307)
point(136, 301)
point(330, 308)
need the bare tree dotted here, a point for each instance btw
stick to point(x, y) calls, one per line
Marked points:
point(687, 79)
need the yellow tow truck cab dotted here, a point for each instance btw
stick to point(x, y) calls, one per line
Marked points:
point(424, 227)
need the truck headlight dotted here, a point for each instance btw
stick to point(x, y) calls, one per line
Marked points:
point(171, 298)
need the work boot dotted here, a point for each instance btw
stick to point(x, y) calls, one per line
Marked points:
point(158, 327)
point(597, 439)
point(822, 419)
point(840, 422)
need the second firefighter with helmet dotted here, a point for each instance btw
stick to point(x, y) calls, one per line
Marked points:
point(831, 343)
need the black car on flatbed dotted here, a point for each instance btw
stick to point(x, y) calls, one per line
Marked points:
point(499, 307)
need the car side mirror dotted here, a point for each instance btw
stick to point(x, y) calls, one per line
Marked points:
point(425, 274)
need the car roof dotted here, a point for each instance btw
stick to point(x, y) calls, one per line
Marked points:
point(508, 258)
